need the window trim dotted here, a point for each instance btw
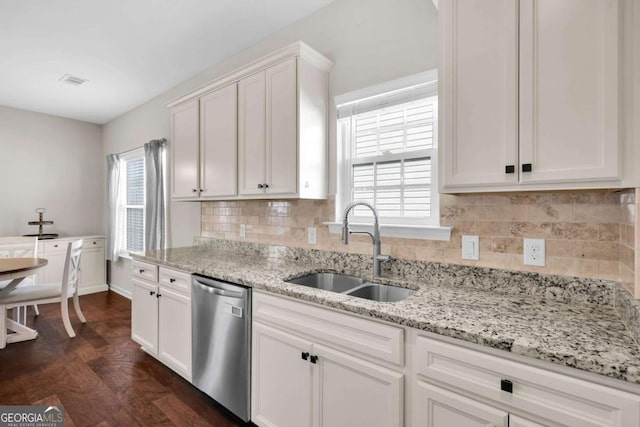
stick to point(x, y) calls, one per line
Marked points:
point(417, 228)
point(122, 211)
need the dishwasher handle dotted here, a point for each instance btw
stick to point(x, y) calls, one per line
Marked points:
point(216, 291)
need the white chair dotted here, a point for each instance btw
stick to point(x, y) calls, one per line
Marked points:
point(20, 247)
point(49, 293)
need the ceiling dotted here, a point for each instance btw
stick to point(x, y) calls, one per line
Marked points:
point(128, 50)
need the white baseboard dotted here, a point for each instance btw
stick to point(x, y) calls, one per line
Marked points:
point(92, 289)
point(120, 291)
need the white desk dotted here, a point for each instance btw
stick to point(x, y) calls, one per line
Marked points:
point(16, 270)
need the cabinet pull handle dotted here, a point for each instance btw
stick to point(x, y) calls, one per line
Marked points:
point(304, 355)
point(526, 167)
point(314, 359)
point(55, 246)
point(94, 243)
point(506, 385)
point(510, 169)
point(158, 295)
point(260, 185)
point(194, 190)
point(151, 293)
point(202, 190)
point(171, 280)
point(141, 271)
point(266, 186)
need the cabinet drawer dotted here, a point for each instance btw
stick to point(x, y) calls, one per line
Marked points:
point(566, 400)
point(175, 279)
point(54, 246)
point(349, 333)
point(93, 244)
point(145, 270)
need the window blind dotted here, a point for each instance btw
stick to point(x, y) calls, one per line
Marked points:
point(134, 205)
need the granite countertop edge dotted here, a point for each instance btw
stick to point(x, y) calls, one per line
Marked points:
point(271, 275)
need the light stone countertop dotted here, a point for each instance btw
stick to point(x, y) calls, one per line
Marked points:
point(582, 335)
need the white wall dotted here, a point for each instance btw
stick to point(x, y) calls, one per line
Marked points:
point(53, 163)
point(370, 41)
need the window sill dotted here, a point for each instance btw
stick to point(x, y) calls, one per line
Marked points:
point(425, 232)
point(125, 255)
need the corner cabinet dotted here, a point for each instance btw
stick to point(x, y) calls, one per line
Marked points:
point(161, 314)
point(258, 132)
point(314, 367)
point(529, 95)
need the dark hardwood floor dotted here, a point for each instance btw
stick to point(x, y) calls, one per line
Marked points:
point(101, 376)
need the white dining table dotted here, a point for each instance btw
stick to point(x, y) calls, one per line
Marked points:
point(15, 270)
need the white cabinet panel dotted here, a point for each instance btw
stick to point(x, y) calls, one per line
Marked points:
point(174, 330)
point(282, 135)
point(144, 315)
point(569, 90)
point(219, 142)
point(352, 392)
point(92, 270)
point(442, 408)
point(280, 379)
point(251, 134)
point(185, 150)
point(516, 421)
point(479, 92)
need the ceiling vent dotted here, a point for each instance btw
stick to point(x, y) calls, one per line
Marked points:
point(72, 80)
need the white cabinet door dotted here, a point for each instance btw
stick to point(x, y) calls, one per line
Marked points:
point(92, 270)
point(174, 330)
point(219, 142)
point(479, 92)
point(282, 128)
point(144, 315)
point(352, 392)
point(184, 143)
point(52, 273)
point(251, 134)
point(438, 407)
point(568, 90)
point(516, 421)
point(280, 379)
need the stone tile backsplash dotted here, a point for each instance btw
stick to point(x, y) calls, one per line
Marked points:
point(588, 233)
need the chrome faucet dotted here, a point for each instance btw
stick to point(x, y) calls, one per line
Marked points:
point(377, 257)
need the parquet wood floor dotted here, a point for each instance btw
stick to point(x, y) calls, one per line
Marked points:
point(101, 376)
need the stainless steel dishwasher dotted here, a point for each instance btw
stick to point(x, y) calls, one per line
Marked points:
point(221, 332)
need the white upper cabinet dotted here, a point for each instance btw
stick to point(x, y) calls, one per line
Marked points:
point(479, 92)
point(529, 95)
point(263, 131)
point(185, 150)
point(219, 141)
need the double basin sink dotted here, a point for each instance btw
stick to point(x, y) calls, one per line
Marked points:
point(353, 286)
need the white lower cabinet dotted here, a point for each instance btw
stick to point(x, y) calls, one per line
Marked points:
point(303, 380)
point(455, 385)
point(161, 315)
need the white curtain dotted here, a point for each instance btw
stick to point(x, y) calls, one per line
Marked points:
point(113, 195)
point(155, 200)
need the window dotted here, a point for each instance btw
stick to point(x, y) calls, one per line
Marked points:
point(132, 203)
point(389, 154)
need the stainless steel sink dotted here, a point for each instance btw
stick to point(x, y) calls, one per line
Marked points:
point(328, 281)
point(381, 293)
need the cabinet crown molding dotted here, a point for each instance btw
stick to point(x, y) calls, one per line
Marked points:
point(296, 49)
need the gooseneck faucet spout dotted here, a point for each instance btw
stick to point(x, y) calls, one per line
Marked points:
point(378, 259)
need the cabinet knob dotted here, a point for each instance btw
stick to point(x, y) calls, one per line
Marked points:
point(194, 190)
point(510, 169)
point(506, 385)
point(202, 190)
point(260, 185)
point(314, 359)
point(171, 280)
point(55, 246)
point(304, 355)
point(94, 243)
point(266, 186)
point(158, 295)
point(151, 293)
point(141, 271)
point(526, 167)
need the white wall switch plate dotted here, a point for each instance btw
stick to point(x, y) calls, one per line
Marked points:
point(471, 247)
point(534, 252)
point(243, 230)
point(312, 235)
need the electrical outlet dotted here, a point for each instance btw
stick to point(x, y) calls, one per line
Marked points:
point(534, 252)
point(312, 235)
point(471, 247)
point(243, 230)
